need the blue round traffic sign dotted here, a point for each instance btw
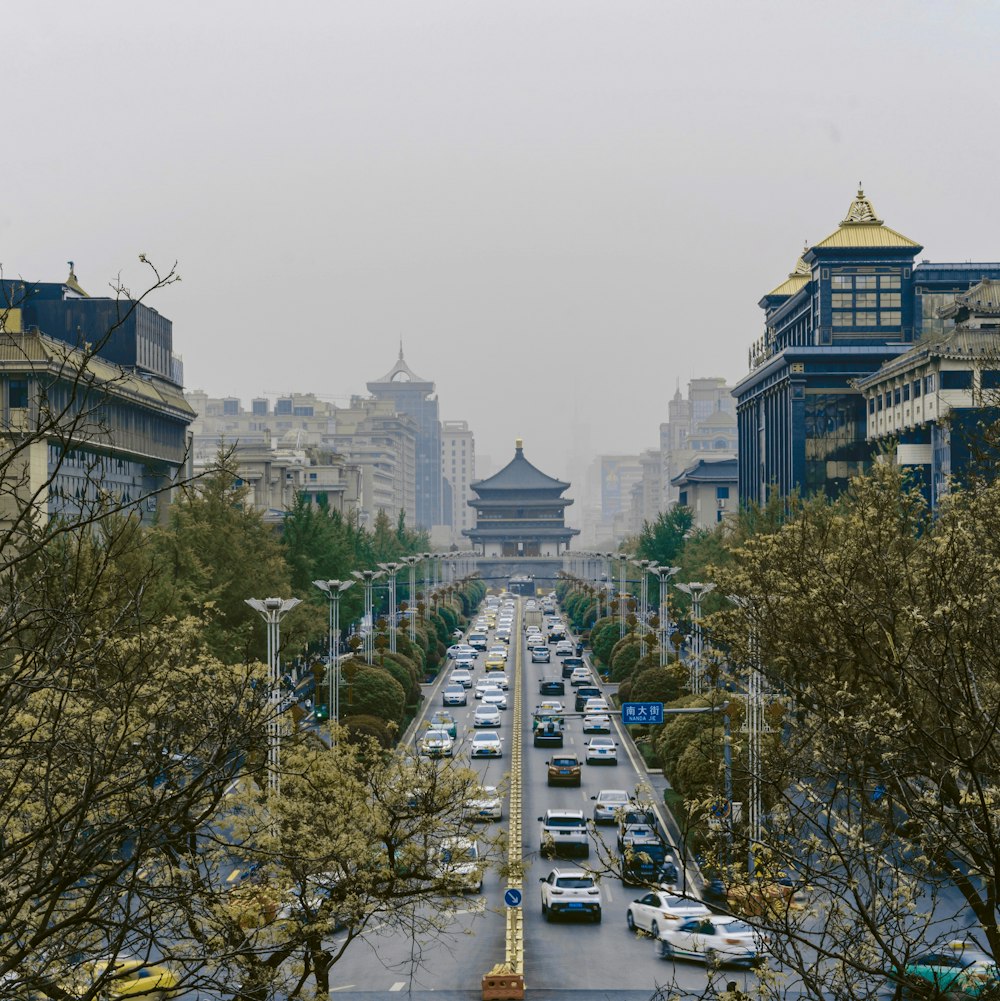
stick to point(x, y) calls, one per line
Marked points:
point(512, 898)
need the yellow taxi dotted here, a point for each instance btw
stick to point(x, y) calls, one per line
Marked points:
point(133, 978)
point(494, 662)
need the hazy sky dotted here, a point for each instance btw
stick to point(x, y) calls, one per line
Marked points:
point(561, 206)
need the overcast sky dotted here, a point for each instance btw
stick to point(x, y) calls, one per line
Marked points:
point(562, 207)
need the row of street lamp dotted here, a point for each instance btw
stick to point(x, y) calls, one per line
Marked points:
point(444, 570)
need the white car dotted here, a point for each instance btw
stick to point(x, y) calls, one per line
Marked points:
point(486, 804)
point(497, 678)
point(714, 938)
point(597, 723)
point(659, 909)
point(454, 695)
point(564, 830)
point(602, 751)
point(568, 892)
point(580, 676)
point(540, 655)
point(486, 716)
point(564, 648)
point(460, 863)
point(460, 650)
point(487, 745)
point(437, 744)
point(596, 706)
point(464, 663)
point(608, 803)
point(493, 696)
point(497, 651)
point(481, 685)
point(463, 678)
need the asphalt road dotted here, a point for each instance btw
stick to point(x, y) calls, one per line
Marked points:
point(584, 959)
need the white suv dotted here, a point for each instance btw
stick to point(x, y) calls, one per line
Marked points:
point(564, 830)
point(570, 891)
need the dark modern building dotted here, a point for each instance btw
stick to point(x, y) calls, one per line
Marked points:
point(415, 397)
point(853, 302)
point(520, 512)
point(90, 391)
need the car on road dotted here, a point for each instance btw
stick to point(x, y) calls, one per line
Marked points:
point(635, 815)
point(568, 892)
point(660, 909)
point(570, 664)
point(495, 663)
point(486, 716)
point(602, 751)
point(564, 831)
point(460, 650)
point(443, 720)
point(437, 744)
point(564, 648)
point(484, 804)
point(497, 678)
point(583, 693)
point(564, 770)
point(580, 676)
point(454, 695)
point(464, 663)
point(551, 686)
point(481, 684)
point(557, 633)
point(549, 706)
point(540, 655)
point(463, 678)
point(607, 803)
point(478, 640)
point(597, 723)
point(460, 864)
point(493, 696)
point(499, 651)
point(715, 939)
point(548, 732)
point(130, 978)
point(487, 744)
point(645, 861)
point(503, 633)
point(956, 969)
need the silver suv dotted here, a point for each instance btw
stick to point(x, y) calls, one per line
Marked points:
point(570, 891)
point(564, 831)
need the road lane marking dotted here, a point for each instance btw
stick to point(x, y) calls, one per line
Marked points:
point(398, 985)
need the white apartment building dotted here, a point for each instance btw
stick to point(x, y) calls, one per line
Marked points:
point(458, 467)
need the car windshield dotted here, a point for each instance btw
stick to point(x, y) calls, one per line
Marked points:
point(437, 735)
point(735, 928)
point(566, 822)
point(575, 882)
point(454, 688)
point(602, 742)
point(488, 738)
point(564, 762)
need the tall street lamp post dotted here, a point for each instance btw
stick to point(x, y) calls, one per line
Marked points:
point(272, 610)
point(368, 578)
point(623, 559)
point(697, 591)
point(663, 575)
point(644, 567)
point(392, 569)
point(333, 590)
point(411, 562)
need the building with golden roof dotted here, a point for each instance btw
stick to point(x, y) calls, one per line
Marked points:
point(853, 302)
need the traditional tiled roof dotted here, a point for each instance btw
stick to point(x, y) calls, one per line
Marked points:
point(708, 471)
point(961, 343)
point(797, 279)
point(862, 229)
point(983, 298)
point(519, 474)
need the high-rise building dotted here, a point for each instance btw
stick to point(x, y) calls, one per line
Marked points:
point(853, 302)
point(458, 464)
point(415, 397)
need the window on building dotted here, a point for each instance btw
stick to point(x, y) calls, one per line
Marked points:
point(842, 281)
point(843, 319)
point(871, 405)
point(888, 400)
point(906, 391)
point(888, 281)
point(841, 300)
point(956, 379)
point(864, 319)
point(865, 300)
point(897, 396)
point(17, 394)
point(916, 388)
point(682, 497)
point(990, 378)
point(230, 408)
point(929, 383)
point(722, 493)
point(890, 318)
point(864, 281)
point(889, 300)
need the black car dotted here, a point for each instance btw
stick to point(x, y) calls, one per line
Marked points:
point(548, 735)
point(585, 692)
point(569, 663)
point(646, 862)
point(551, 686)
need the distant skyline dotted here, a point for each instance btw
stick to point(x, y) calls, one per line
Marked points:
point(562, 207)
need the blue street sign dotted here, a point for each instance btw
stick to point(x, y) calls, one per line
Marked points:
point(642, 712)
point(512, 898)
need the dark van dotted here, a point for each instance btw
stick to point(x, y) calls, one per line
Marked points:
point(569, 663)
